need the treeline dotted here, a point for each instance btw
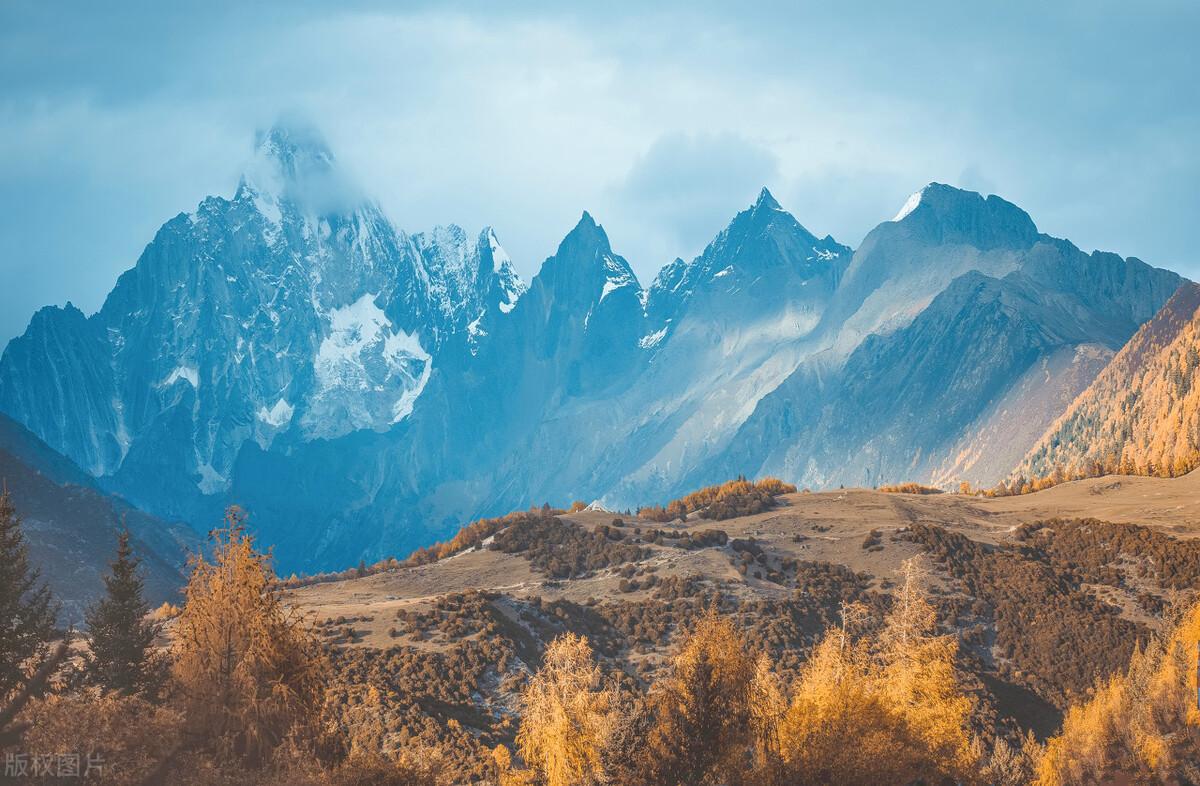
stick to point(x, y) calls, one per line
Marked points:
point(235, 692)
point(1096, 468)
point(471, 536)
point(909, 488)
point(1141, 416)
point(738, 497)
point(882, 708)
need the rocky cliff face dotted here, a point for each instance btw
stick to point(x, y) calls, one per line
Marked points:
point(362, 390)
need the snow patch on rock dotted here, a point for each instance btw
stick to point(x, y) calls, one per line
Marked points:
point(278, 415)
point(909, 206)
point(368, 373)
point(652, 340)
point(352, 329)
point(188, 374)
point(211, 481)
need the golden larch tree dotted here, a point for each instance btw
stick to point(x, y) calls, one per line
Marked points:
point(249, 670)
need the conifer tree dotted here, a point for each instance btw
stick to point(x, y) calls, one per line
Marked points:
point(702, 713)
point(27, 610)
point(250, 672)
point(121, 635)
point(566, 716)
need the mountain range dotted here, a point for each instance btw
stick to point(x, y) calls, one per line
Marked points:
point(363, 391)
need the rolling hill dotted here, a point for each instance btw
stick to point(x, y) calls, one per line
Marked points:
point(71, 525)
point(452, 641)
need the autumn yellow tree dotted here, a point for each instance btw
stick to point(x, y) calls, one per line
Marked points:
point(1142, 724)
point(921, 681)
point(837, 698)
point(701, 732)
point(898, 699)
point(767, 708)
point(249, 671)
point(566, 718)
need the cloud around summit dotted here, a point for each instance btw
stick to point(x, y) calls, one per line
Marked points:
point(661, 122)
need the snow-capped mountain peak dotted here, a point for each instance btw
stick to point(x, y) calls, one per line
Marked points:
point(500, 260)
point(295, 148)
point(761, 238)
point(508, 286)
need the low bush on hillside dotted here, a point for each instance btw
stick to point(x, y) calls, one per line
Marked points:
point(1121, 555)
point(739, 497)
point(1036, 610)
point(723, 501)
point(561, 549)
point(909, 488)
point(404, 699)
point(471, 536)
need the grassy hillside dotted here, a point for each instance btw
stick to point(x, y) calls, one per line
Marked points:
point(854, 636)
point(454, 640)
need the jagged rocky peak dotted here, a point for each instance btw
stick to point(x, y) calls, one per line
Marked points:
point(942, 213)
point(670, 276)
point(507, 285)
point(493, 254)
point(766, 201)
point(765, 235)
point(450, 250)
point(762, 242)
point(295, 147)
point(586, 234)
point(585, 270)
point(467, 276)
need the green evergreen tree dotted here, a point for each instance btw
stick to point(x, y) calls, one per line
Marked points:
point(121, 636)
point(27, 610)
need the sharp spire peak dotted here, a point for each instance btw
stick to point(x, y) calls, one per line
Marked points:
point(766, 199)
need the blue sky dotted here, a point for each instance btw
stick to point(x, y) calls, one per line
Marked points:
point(662, 123)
